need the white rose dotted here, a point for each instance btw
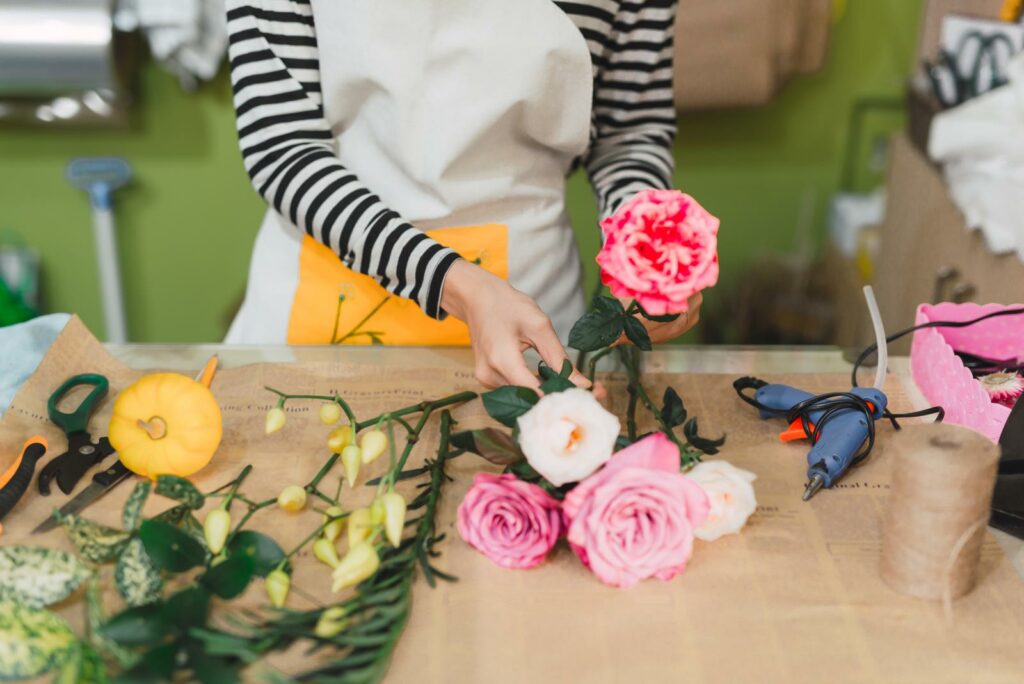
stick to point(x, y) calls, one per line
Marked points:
point(731, 495)
point(567, 435)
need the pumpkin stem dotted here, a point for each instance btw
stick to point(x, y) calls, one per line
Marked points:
point(155, 427)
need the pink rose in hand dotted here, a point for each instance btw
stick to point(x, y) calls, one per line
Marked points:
point(660, 248)
point(636, 517)
point(514, 523)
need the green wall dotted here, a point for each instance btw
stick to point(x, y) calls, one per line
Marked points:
point(187, 221)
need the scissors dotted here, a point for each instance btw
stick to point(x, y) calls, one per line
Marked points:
point(83, 453)
point(956, 76)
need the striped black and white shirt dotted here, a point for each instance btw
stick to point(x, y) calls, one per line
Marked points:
point(288, 147)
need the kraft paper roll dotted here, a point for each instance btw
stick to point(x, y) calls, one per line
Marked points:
point(943, 476)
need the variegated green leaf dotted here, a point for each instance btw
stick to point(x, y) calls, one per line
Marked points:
point(32, 641)
point(37, 577)
point(97, 543)
point(138, 580)
point(84, 667)
point(179, 489)
point(133, 506)
point(96, 619)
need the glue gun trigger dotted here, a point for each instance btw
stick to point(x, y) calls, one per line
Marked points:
point(795, 432)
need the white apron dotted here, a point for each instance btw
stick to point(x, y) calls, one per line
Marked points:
point(455, 113)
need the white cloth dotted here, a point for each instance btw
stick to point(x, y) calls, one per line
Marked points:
point(24, 345)
point(981, 146)
point(456, 113)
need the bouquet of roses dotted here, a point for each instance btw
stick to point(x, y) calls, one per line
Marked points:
point(630, 505)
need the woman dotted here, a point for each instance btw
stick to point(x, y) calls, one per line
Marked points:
point(414, 155)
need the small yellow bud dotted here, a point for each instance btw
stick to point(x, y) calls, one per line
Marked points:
point(360, 526)
point(216, 528)
point(330, 413)
point(333, 527)
point(377, 512)
point(332, 622)
point(292, 498)
point(359, 564)
point(277, 584)
point(275, 420)
point(373, 443)
point(351, 457)
point(394, 516)
point(325, 552)
point(339, 438)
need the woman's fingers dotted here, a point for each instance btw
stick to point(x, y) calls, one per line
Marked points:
point(544, 339)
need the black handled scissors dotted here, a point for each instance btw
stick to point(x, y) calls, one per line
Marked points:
point(83, 453)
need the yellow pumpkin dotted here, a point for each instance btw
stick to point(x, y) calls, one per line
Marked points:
point(165, 424)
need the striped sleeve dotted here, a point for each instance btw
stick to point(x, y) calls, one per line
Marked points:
point(289, 152)
point(634, 114)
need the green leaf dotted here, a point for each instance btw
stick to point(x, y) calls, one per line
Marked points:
point(96, 543)
point(139, 626)
point(667, 318)
point(156, 665)
point(506, 404)
point(84, 667)
point(225, 644)
point(95, 619)
point(169, 548)
point(174, 516)
point(552, 381)
point(264, 551)
point(188, 608)
point(180, 489)
point(229, 578)
point(137, 578)
point(673, 412)
point(637, 333)
point(32, 641)
point(600, 326)
point(708, 446)
point(133, 506)
point(210, 669)
point(38, 577)
point(494, 445)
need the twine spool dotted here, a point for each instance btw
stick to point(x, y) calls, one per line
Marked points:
point(942, 483)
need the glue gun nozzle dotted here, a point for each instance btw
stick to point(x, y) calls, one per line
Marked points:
point(816, 483)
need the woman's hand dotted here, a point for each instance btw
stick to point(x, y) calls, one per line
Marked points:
point(666, 332)
point(503, 323)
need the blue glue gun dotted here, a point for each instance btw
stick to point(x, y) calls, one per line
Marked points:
point(837, 423)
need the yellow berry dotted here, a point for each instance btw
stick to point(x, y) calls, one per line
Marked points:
point(339, 438)
point(277, 584)
point(331, 622)
point(360, 527)
point(333, 524)
point(216, 528)
point(359, 564)
point(394, 516)
point(292, 498)
point(373, 443)
point(351, 457)
point(330, 413)
point(323, 549)
point(275, 420)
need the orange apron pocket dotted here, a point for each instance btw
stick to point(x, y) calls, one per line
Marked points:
point(335, 305)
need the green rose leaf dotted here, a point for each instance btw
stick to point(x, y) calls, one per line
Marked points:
point(169, 548)
point(600, 326)
point(133, 506)
point(637, 333)
point(137, 578)
point(229, 578)
point(32, 641)
point(673, 412)
point(506, 404)
point(667, 318)
point(494, 445)
point(708, 446)
point(96, 543)
point(38, 577)
point(139, 626)
point(264, 551)
point(188, 608)
point(180, 489)
point(555, 382)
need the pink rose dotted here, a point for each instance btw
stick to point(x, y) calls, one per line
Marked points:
point(660, 248)
point(514, 523)
point(635, 518)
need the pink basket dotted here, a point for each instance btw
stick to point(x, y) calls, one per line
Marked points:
point(942, 377)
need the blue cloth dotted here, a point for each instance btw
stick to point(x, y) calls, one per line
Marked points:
point(22, 347)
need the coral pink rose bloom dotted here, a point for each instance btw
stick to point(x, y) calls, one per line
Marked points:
point(661, 248)
point(514, 523)
point(635, 518)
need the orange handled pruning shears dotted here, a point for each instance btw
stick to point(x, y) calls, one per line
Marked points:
point(18, 476)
